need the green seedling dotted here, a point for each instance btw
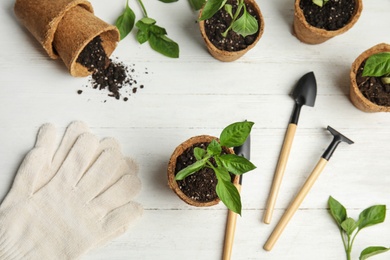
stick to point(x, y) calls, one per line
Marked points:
point(349, 228)
point(320, 3)
point(148, 31)
point(242, 22)
point(378, 65)
point(232, 136)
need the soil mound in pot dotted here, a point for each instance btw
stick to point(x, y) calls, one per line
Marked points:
point(334, 15)
point(373, 88)
point(199, 186)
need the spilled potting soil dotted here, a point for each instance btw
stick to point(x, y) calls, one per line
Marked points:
point(108, 74)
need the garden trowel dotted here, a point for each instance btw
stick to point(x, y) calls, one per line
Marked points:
point(304, 93)
point(244, 151)
point(297, 201)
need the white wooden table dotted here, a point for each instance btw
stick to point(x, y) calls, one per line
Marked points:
point(197, 94)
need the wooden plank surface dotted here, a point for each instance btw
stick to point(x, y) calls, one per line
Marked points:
point(197, 94)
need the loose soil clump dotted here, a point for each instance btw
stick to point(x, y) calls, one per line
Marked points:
point(106, 73)
point(218, 24)
point(332, 16)
point(373, 88)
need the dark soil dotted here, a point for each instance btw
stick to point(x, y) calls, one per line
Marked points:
point(199, 186)
point(218, 24)
point(373, 88)
point(106, 73)
point(332, 16)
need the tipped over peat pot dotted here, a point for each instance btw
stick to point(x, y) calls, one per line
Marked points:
point(234, 45)
point(314, 24)
point(359, 93)
point(198, 189)
point(64, 28)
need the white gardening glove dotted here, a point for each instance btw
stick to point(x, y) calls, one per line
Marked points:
point(59, 210)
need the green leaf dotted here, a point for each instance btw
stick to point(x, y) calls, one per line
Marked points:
point(147, 20)
point(214, 148)
point(211, 7)
point(157, 30)
point(371, 216)
point(235, 134)
point(371, 251)
point(197, 4)
point(142, 26)
point(168, 1)
point(246, 24)
point(236, 164)
point(229, 195)
point(222, 173)
point(385, 80)
point(337, 210)
point(125, 22)
point(142, 36)
point(377, 65)
point(349, 225)
point(320, 3)
point(199, 153)
point(190, 169)
point(164, 45)
point(229, 10)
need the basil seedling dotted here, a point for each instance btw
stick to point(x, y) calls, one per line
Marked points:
point(231, 136)
point(242, 23)
point(148, 31)
point(378, 65)
point(349, 228)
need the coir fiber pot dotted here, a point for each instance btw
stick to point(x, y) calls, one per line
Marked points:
point(313, 35)
point(64, 28)
point(356, 95)
point(227, 56)
point(172, 183)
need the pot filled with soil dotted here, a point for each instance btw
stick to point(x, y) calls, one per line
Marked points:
point(230, 30)
point(370, 79)
point(204, 169)
point(316, 21)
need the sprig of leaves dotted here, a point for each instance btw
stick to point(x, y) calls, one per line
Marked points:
point(148, 31)
point(378, 65)
point(349, 228)
point(320, 3)
point(231, 136)
point(242, 23)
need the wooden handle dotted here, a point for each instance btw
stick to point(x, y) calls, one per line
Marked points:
point(294, 205)
point(279, 172)
point(229, 232)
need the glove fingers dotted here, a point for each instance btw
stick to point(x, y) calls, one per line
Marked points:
point(73, 131)
point(122, 192)
point(119, 220)
point(46, 138)
point(29, 171)
point(104, 170)
point(78, 160)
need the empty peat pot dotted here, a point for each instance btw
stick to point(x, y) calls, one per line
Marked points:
point(64, 28)
point(172, 170)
